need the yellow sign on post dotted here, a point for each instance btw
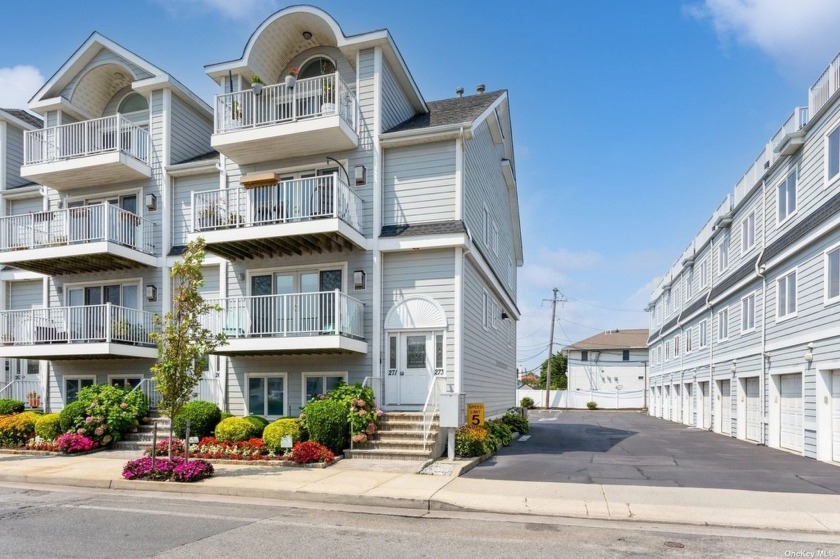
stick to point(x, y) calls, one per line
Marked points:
point(475, 413)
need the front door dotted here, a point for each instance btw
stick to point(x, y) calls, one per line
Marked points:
point(410, 368)
point(835, 415)
point(725, 407)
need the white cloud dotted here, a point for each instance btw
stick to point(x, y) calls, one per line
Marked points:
point(238, 9)
point(794, 33)
point(17, 85)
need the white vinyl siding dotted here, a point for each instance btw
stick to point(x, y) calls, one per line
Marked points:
point(14, 157)
point(190, 132)
point(182, 200)
point(832, 146)
point(395, 105)
point(419, 184)
point(723, 254)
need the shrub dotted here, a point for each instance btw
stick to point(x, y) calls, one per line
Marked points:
point(72, 414)
point(274, 433)
point(203, 417)
point(500, 431)
point(16, 429)
point(472, 440)
point(310, 452)
point(592, 405)
point(326, 422)
point(72, 442)
point(517, 422)
point(9, 406)
point(362, 414)
point(527, 402)
point(259, 424)
point(225, 415)
point(48, 426)
point(164, 469)
point(234, 429)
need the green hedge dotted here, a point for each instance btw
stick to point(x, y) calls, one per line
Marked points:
point(203, 417)
point(72, 414)
point(259, 424)
point(326, 422)
point(234, 429)
point(274, 433)
point(48, 426)
point(9, 406)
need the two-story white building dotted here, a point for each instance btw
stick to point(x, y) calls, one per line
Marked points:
point(355, 231)
point(745, 339)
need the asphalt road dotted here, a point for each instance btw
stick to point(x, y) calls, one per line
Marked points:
point(635, 449)
point(72, 522)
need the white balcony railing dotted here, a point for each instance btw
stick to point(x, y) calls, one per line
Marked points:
point(296, 314)
point(825, 87)
point(91, 323)
point(285, 202)
point(277, 104)
point(79, 225)
point(89, 137)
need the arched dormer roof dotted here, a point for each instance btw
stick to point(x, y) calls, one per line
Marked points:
point(98, 85)
point(281, 37)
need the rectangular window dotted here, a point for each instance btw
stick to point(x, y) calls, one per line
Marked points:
point(266, 395)
point(723, 254)
point(625, 355)
point(832, 274)
point(723, 325)
point(688, 278)
point(833, 153)
point(786, 197)
point(667, 350)
point(704, 273)
point(584, 355)
point(438, 353)
point(748, 313)
point(748, 233)
point(688, 343)
point(786, 295)
point(315, 385)
point(702, 336)
point(72, 385)
point(676, 346)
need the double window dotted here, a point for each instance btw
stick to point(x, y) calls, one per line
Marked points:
point(288, 302)
point(266, 394)
point(786, 197)
point(786, 295)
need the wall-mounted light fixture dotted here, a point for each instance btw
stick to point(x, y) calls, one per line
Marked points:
point(59, 289)
point(734, 367)
point(151, 293)
point(307, 35)
point(360, 174)
point(241, 276)
point(151, 202)
point(809, 355)
point(358, 280)
point(505, 315)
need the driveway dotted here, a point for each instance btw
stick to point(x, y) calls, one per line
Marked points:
point(629, 448)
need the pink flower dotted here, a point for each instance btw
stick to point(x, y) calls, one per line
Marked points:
point(88, 419)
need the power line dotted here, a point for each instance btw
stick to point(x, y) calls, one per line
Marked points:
point(535, 331)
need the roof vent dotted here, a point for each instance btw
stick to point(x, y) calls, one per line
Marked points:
point(480, 88)
point(459, 92)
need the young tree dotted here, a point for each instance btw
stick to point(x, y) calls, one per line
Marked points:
point(559, 366)
point(183, 343)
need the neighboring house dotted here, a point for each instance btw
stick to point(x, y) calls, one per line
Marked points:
point(744, 331)
point(613, 363)
point(355, 231)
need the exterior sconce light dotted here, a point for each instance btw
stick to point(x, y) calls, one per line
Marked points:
point(505, 315)
point(809, 355)
point(734, 367)
point(151, 202)
point(360, 174)
point(151, 293)
point(358, 280)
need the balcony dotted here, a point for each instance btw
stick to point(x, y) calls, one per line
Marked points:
point(105, 150)
point(86, 332)
point(316, 115)
point(96, 238)
point(302, 216)
point(302, 323)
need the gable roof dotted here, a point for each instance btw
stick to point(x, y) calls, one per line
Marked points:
point(24, 116)
point(457, 110)
point(613, 339)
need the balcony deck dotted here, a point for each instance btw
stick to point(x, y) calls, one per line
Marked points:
point(97, 238)
point(298, 323)
point(316, 115)
point(106, 150)
point(87, 332)
point(303, 216)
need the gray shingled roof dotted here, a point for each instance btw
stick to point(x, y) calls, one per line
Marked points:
point(26, 117)
point(203, 157)
point(614, 339)
point(432, 228)
point(450, 111)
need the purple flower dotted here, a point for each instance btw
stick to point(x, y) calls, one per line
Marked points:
point(88, 419)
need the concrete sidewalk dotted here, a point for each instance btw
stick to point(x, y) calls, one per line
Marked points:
point(353, 483)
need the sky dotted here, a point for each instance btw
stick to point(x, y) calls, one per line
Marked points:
point(632, 119)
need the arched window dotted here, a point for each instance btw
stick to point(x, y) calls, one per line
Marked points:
point(318, 66)
point(133, 102)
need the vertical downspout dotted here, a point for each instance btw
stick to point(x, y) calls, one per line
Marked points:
point(711, 340)
point(760, 271)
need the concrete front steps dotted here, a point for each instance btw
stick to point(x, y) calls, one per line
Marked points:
point(142, 439)
point(400, 437)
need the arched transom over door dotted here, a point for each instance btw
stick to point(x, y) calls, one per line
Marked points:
point(415, 331)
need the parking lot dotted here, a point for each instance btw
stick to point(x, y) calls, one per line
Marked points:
point(631, 448)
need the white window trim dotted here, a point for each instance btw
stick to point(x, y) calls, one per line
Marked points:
point(689, 346)
point(744, 247)
point(64, 380)
point(676, 346)
point(484, 310)
point(744, 298)
point(486, 234)
point(701, 326)
point(102, 283)
point(722, 266)
point(828, 182)
point(291, 269)
point(704, 273)
point(304, 376)
point(794, 272)
point(718, 316)
point(789, 216)
point(828, 300)
point(246, 393)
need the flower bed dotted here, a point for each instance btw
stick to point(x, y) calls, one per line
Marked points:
point(253, 450)
point(163, 469)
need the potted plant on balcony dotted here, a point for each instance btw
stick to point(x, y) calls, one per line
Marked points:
point(257, 84)
point(34, 399)
point(291, 77)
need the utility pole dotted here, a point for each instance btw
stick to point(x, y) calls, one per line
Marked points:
point(550, 351)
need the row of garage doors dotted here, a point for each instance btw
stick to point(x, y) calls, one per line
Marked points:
point(790, 409)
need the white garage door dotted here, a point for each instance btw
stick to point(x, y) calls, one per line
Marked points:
point(702, 405)
point(686, 404)
point(666, 403)
point(725, 407)
point(835, 399)
point(753, 410)
point(791, 410)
